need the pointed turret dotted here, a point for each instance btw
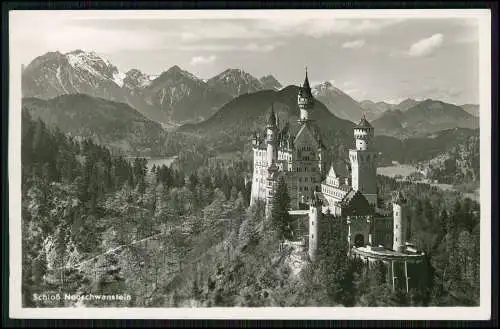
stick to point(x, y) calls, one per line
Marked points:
point(272, 135)
point(306, 88)
point(363, 123)
point(363, 133)
point(271, 118)
point(305, 100)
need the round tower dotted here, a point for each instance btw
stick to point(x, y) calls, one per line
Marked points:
point(315, 216)
point(399, 221)
point(363, 134)
point(305, 100)
point(272, 152)
point(363, 162)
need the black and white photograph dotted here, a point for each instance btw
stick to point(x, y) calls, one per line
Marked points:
point(280, 164)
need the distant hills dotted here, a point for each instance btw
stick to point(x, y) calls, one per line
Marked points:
point(116, 125)
point(426, 117)
point(122, 128)
point(339, 103)
point(176, 96)
point(416, 149)
point(235, 122)
point(86, 95)
point(380, 107)
point(471, 109)
point(231, 128)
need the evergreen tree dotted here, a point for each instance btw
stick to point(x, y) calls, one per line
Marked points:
point(280, 215)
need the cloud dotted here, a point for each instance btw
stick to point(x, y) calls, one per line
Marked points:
point(320, 27)
point(61, 33)
point(203, 60)
point(261, 48)
point(217, 47)
point(356, 44)
point(217, 30)
point(284, 26)
point(426, 46)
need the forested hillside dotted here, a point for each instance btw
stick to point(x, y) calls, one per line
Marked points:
point(118, 126)
point(459, 164)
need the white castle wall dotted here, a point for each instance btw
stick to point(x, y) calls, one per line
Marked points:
point(364, 173)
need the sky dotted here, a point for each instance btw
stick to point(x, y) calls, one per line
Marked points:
point(369, 57)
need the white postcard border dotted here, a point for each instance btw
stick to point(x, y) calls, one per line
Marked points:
point(482, 312)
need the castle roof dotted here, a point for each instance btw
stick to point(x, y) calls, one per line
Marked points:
point(271, 119)
point(357, 204)
point(305, 90)
point(340, 169)
point(312, 128)
point(363, 123)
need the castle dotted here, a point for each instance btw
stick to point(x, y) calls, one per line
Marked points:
point(346, 191)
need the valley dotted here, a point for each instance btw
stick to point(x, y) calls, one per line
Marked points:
point(156, 161)
point(403, 173)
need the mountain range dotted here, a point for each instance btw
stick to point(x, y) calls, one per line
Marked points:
point(122, 128)
point(426, 117)
point(378, 108)
point(224, 109)
point(339, 103)
point(174, 97)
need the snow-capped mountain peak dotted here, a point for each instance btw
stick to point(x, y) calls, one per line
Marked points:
point(96, 65)
point(325, 87)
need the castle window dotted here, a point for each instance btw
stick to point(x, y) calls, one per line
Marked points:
point(312, 223)
point(312, 236)
point(397, 213)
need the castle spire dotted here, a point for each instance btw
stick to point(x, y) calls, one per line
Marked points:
point(305, 100)
point(271, 119)
point(306, 88)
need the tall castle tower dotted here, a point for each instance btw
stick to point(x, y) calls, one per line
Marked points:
point(315, 217)
point(363, 162)
point(399, 218)
point(272, 130)
point(305, 100)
